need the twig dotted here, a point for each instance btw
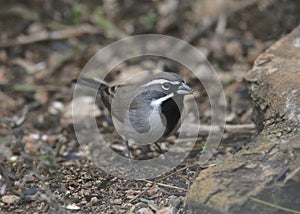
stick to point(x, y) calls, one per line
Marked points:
point(153, 183)
point(162, 184)
point(240, 128)
point(18, 121)
point(179, 170)
point(53, 35)
point(141, 193)
point(204, 130)
point(166, 185)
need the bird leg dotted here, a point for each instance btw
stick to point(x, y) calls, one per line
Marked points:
point(128, 153)
point(161, 151)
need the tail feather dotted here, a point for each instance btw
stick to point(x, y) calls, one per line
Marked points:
point(92, 83)
point(100, 86)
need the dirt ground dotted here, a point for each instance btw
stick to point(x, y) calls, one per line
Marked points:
point(45, 45)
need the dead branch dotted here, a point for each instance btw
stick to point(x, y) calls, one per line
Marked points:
point(49, 36)
point(204, 130)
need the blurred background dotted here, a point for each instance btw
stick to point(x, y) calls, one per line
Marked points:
point(44, 45)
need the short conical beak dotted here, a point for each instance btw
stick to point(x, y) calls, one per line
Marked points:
point(184, 89)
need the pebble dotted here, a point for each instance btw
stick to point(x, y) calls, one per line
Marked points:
point(130, 194)
point(94, 200)
point(72, 207)
point(10, 199)
point(145, 210)
point(13, 158)
point(41, 96)
point(30, 191)
point(165, 210)
point(34, 148)
point(152, 191)
point(56, 107)
point(118, 201)
point(130, 197)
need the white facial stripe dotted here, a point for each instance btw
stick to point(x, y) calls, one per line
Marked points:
point(161, 81)
point(158, 102)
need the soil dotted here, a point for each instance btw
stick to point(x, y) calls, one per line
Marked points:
point(43, 168)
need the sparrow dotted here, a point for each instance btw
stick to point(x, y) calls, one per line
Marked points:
point(146, 111)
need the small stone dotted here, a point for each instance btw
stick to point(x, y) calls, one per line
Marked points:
point(83, 202)
point(51, 140)
point(42, 96)
point(152, 191)
point(94, 200)
point(130, 197)
point(229, 150)
point(30, 191)
point(34, 148)
point(144, 210)
point(72, 207)
point(13, 158)
point(10, 199)
point(130, 194)
point(294, 91)
point(165, 210)
point(118, 201)
point(56, 107)
point(118, 147)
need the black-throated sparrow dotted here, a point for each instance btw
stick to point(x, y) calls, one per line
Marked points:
point(147, 111)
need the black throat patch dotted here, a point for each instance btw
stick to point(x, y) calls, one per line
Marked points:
point(172, 113)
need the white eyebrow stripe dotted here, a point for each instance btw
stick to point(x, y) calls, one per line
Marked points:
point(158, 102)
point(161, 81)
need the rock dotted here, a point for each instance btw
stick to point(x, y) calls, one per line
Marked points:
point(152, 191)
point(72, 207)
point(30, 191)
point(56, 107)
point(10, 199)
point(94, 200)
point(267, 171)
point(145, 210)
point(165, 210)
point(41, 96)
point(118, 201)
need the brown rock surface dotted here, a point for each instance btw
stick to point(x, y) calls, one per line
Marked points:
point(265, 176)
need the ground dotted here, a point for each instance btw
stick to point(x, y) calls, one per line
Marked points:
point(45, 45)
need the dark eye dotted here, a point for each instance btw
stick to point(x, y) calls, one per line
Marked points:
point(166, 86)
